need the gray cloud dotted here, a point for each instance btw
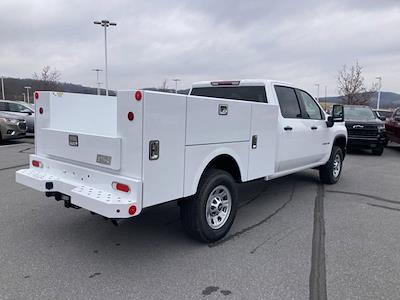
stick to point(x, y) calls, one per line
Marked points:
point(199, 40)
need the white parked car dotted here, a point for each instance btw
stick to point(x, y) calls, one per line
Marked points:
point(115, 156)
point(22, 110)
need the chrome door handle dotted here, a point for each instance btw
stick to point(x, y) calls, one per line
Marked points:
point(287, 128)
point(314, 128)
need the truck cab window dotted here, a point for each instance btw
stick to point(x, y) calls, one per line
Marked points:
point(288, 102)
point(247, 93)
point(312, 109)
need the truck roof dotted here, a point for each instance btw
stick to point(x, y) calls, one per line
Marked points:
point(237, 82)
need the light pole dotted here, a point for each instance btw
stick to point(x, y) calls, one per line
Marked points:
point(379, 91)
point(317, 85)
point(326, 89)
point(98, 82)
point(27, 93)
point(2, 87)
point(105, 24)
point(176, 84)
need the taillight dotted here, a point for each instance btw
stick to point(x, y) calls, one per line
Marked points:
point(121, 187)
point(36, 95)
point(41, 110)
point(36, 163)
point(131, 116)
point(132, 210)
point(138, 95)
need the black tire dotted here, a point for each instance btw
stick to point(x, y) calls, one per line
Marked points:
point(378, 151)
point(193, 209)
point(326, 172)
point(386, 142)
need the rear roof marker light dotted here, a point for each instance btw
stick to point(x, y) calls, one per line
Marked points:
point(36, 95)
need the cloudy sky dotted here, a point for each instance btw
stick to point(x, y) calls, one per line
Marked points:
point(303, 43)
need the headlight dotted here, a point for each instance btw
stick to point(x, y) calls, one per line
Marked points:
point(10, 121)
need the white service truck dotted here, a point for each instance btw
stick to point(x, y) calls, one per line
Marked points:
point(115, 156)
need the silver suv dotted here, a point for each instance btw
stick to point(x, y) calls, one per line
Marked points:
point(11, 127)
point(21, 110)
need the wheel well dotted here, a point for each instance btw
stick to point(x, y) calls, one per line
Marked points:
point(227, 163)
point(341, 142)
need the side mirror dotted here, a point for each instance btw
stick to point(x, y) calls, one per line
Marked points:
point(382, 118)
point(337, 115)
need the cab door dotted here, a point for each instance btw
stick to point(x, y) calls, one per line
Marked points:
point(314, 120)
point(294, 135)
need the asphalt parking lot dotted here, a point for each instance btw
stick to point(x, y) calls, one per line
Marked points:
point(293, 238)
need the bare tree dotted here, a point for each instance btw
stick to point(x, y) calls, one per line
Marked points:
point(351, 86)
point(163, 86)
point(50, 79)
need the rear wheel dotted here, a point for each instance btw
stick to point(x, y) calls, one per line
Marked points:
point(331, 171)
point(378, 151)
point(209, 214)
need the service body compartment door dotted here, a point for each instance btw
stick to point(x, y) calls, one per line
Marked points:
point(212, 120)
point(263, 144)
point(164, 128)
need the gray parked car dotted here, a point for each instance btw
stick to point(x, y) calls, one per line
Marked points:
point(11, 127)
point(20, 109)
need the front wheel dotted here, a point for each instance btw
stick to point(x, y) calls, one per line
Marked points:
point(331, 171)
point(209, 214)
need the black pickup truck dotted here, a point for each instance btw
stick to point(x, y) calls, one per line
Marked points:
point(364, 129)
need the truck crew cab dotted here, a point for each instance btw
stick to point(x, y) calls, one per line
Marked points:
point(118, 155)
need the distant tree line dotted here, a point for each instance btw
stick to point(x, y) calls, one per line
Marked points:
point(46, 80)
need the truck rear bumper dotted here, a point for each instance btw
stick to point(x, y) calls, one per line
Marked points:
point(86, 188)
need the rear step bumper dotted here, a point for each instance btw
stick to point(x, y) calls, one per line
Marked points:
point(87, 188)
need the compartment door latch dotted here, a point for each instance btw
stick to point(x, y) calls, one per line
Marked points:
point(154, 149)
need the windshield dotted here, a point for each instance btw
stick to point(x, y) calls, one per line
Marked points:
point(358, 113)
point(249, 93)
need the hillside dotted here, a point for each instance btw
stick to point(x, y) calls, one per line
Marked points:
point(15, 87)
point(388, 100)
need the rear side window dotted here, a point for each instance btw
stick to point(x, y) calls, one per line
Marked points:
point(247, 93)
point(288, 102)
point(3, 106)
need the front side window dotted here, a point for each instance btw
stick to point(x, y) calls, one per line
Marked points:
point(288, 102)
point(15, 107)
point(311, 108)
